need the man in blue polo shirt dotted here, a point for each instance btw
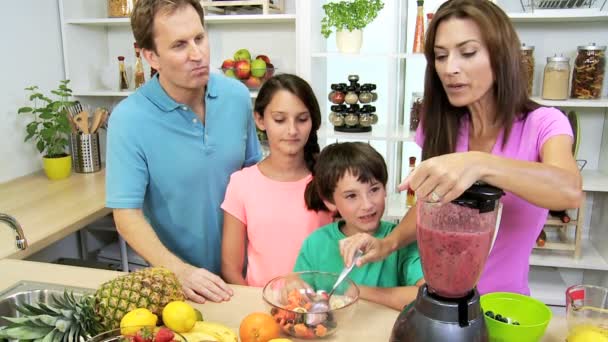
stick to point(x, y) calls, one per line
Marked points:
point(172, 147)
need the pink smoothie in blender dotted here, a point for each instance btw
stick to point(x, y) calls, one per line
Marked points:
point(454, 242)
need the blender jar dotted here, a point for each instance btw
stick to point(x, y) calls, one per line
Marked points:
point(455, 239)
point(587, 312)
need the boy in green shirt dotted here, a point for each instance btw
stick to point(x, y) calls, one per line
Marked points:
point(350, 180)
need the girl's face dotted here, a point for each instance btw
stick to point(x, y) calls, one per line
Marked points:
point(361, 205)
point(462, 62)
point(287, 123)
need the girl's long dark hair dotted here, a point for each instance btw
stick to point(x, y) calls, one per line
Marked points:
point(301, 89)
point(440, 120)
point(357, 158)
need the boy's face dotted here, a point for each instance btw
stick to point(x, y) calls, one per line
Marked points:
point(361, 205)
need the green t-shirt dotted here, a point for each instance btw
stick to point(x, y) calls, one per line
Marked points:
point(321, 252)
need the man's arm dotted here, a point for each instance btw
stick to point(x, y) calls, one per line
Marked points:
point(198, 283)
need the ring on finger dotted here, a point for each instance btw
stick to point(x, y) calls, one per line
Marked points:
point(434, 197)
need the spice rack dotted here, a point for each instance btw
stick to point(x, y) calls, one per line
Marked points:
point(222, 7)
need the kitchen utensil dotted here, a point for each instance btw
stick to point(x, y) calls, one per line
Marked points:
point(454, 240)
point(97, 119)
point(71, 122)
point(286, 297)
point(587, 312)
point(532, 317)
point(345, 272)
point(82, 121)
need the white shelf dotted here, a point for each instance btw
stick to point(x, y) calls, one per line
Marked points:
point(590, 259)
point(595, 181)
point(560, 15)
point(547, 285)
point(395, 206)
point(364, 55)
point(378, 133)
point(111, 93)
point(210, 19)
point(599, 103)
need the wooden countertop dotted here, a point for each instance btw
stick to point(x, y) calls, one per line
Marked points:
point(49, 210)
point(371, 322)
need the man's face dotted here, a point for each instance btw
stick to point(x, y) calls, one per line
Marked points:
point(182, 49)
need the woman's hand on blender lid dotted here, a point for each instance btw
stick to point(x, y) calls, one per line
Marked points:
point(444, 178)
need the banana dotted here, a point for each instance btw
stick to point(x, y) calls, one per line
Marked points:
point(221, 332)
point(198, 336)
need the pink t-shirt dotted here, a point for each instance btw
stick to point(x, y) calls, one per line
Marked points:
point(277, 221)
point(508, 264)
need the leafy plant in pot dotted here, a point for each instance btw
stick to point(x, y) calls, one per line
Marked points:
point(50, 128)
point(349, 18)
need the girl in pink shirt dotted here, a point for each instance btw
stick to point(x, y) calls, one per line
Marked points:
point(265, 215)
point(478, 123)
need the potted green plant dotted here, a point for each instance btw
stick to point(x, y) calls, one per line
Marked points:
point(50, 128)
point(349, 18)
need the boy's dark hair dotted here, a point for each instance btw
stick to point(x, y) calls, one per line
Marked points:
point(357, 158)
point(301, 89)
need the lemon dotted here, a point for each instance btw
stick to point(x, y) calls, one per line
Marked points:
point(179, 316)
point(587, 334)
point(135, 319)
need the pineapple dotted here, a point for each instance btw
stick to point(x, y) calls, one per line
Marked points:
point(73, 319)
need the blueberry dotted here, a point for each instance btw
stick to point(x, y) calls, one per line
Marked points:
point(504, 320)
point(515, 323)
point(498, 317)
point(490, 314)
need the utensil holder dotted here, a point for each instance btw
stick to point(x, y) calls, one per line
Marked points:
point(85, 152)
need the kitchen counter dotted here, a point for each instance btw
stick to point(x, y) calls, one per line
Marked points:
point(371, 322)
point(49, 210)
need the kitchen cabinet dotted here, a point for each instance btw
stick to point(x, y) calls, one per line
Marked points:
point(385, 59)
point(92, 42)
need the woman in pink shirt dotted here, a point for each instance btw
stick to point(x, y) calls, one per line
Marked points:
point(478, 123)
point(265, 214)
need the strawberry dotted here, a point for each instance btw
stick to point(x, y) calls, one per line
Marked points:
point(143, 335)
point(164, 335)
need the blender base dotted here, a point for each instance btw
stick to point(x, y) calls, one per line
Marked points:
point(431, 319)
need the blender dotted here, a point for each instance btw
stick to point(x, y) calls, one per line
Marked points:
point(454, 240)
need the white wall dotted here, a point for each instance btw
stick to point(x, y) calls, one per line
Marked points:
point(31, 55)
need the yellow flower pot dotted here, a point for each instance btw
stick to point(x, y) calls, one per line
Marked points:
point(57, 168)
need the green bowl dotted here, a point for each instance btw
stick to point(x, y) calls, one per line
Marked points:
point(533, 317)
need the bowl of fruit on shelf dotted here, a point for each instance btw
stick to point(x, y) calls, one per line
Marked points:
point(300, 304)
point(252, 72)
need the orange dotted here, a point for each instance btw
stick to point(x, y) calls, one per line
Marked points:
point(259, 327)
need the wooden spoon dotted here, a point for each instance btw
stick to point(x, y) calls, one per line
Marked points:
point(97, 119)
point(82, 121)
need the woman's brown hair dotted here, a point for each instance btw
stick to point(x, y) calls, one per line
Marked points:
point(144, 13)
point(440, 120)
point(357, 158)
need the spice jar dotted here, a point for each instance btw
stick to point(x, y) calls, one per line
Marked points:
point(415, 110)
point(120, 8)
point(555, 79)
point(352, 118)
point(527, 59)
point(122, 74)
point(588, 72)
point(351, 95)
point(365, 96)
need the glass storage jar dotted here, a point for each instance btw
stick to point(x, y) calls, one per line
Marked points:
point(588, 72)
point(120, 8)
point(555, 79)
point(527, 59)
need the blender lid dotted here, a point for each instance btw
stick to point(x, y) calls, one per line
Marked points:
point(480, 196)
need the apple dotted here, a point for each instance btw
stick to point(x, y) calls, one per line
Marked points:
point(264, 57)
point(242, 54)
point(242, 69)
point(253, 82)
point(229, 73)
point(228, 64)
point(258, 67)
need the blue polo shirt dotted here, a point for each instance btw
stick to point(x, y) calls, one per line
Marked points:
point(163, 159)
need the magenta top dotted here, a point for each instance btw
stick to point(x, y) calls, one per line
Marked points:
point(508, 264)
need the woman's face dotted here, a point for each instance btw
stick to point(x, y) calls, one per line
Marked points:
point(462, 62)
